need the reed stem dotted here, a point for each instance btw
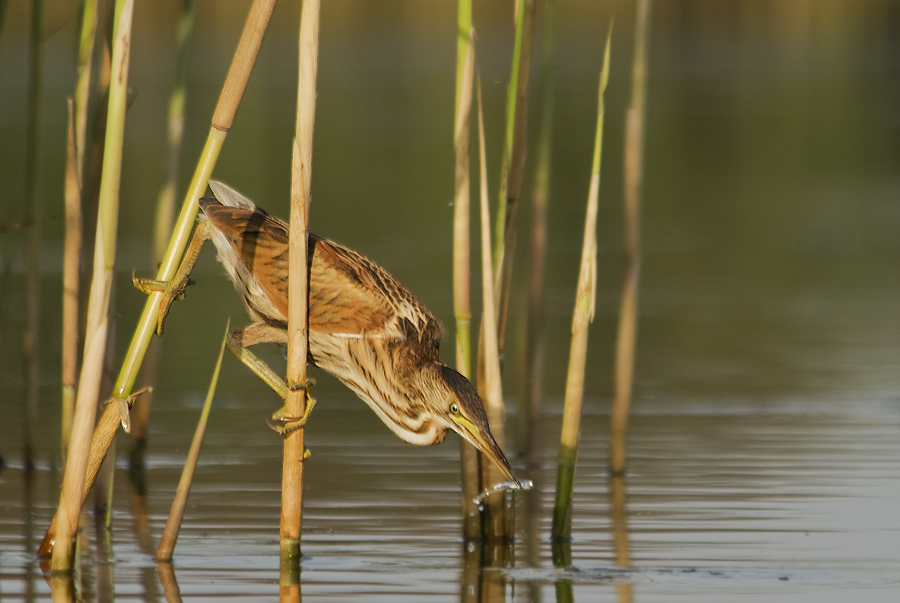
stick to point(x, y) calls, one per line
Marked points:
point(71, 282)
point(513, 167)
point(582, 316)
point(462, 269)
point(223, 117)
point(77, 110)
point(298, 290)
point(494, 520)
point(71, 498)
point(634, 159)
point(179, 503)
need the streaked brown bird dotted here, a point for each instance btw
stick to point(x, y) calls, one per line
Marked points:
point(365, 328)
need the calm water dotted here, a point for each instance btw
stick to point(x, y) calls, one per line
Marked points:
point(765, 442)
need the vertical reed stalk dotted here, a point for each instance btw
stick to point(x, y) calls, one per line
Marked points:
point(513, 167)
point(179, 503)
point(74, 226)
point(634, 159)
point(71, 278)
point(223, 118)
point(582, 316)
point(494, 520)
point(296, 403)
point(462, 269)
point(71, 498)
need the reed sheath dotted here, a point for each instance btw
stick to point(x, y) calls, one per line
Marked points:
point(298, 291)
point(223, 117)
point(583, 314)
point(634, 159)
point(71, 497)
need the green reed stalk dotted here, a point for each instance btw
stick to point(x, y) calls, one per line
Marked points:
point(179, 503)
point(513, 166)
point(298, 291)
point(462, 272)
point(78, 110)
point(72, 496)
point(223, 118)
point(495, 516)
point(634, 159)
point(582, 316)
point(464, 35)
point(165, 205)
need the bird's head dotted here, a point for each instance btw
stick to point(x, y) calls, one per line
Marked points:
point(458, 406)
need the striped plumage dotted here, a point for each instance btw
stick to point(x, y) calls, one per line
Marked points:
point(365, 328)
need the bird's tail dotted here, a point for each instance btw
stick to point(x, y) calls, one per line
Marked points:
point(230, 197)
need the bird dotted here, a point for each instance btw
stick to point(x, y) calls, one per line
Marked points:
point(365, 328)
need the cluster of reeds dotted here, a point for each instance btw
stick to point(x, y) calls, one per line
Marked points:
point(86, 444)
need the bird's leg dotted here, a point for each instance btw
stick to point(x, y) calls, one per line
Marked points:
point(238, 342)
point(174, 289)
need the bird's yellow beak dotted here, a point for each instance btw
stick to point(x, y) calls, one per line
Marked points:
point(484, 441)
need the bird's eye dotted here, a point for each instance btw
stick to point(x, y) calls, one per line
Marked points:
point(454, 409)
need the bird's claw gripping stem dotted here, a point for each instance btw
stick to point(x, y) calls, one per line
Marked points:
point(283, 424)
point(172, 291)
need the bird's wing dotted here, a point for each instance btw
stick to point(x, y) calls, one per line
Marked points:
point(351, 296)
point(260, 241)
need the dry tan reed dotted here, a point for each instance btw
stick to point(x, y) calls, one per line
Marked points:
point(494, 519)
point(179, 503)
point(634, 158)
point(298, 334)
point(71, 281)
point(581, 317)
point(462, 267)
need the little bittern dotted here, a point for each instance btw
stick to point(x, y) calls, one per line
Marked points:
point(365, 328)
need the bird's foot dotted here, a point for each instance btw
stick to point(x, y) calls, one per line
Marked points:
point(283, 424)
point(124, 404)
point(172, 291)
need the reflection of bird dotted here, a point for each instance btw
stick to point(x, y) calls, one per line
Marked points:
point(365, 328)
